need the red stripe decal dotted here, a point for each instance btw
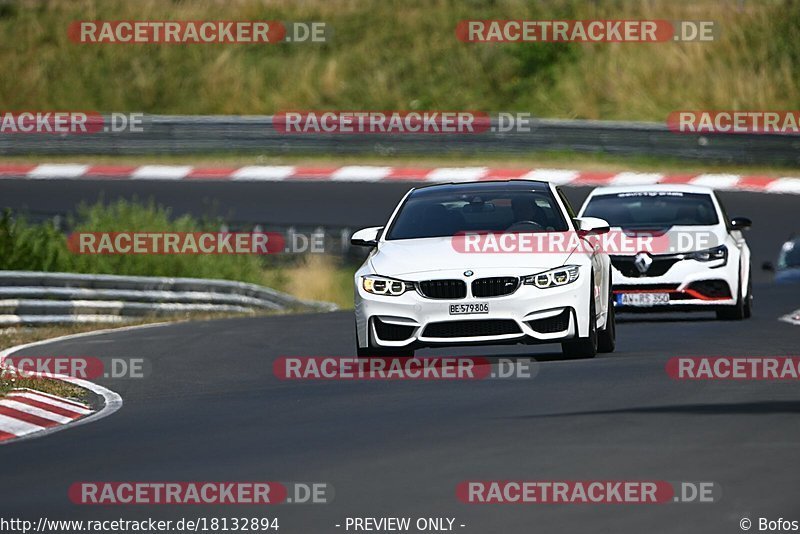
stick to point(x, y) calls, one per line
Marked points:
point(758, 183)
point(593, 178)
point(314, 172)
point(120, 171)
point(5, 435)
point(28, 418)
point(678, 178)
point(408, 173)
point(45, 406)
point(210, 173)
point(12, 169)
point(54, 397)
point(505, 174)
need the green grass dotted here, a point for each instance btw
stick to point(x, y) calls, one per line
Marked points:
point(46, 385)
point(403, 54)
point(42, 247)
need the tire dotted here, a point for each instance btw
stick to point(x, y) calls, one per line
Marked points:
point(583, 347)
point(738, 311)
point(607, 337)
point(748, 300)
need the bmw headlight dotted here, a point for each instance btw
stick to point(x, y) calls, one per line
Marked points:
point(554, 277)
point(380, 285)
point(711, 254)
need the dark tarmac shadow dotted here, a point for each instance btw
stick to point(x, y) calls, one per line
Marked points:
point(739, 408)
point(700, 317)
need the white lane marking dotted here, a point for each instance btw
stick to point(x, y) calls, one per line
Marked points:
point(791, 318)
point(360, 173)
point(51, 402)
point(264, 172)
point(456, 174)
point(784, 185)
point(637, 178)
point(33, 410)
point(556, 176)
point(716, 181)
point(161, 172)
point(58, 170)
point(17, 427)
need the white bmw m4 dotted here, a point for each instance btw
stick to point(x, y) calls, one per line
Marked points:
point(526, 277)
point(700, 261)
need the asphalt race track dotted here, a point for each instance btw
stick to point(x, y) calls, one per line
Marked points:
point(213, 410)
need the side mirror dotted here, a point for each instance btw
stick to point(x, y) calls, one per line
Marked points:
point(592, 226)
point(366, 237)
point(740, 223)
point(768, 266)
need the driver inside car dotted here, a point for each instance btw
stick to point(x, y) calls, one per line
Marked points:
point(527, 216)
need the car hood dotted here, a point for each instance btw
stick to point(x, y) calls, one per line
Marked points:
point(410, 256)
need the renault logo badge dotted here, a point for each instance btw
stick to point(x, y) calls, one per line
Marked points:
point(468, 273)
point(642, 261)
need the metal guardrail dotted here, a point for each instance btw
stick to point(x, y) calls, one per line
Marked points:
point(186, 134)
point(30, 297)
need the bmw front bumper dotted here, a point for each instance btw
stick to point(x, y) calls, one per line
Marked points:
point(528, 315)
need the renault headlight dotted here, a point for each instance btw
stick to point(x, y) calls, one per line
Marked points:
point(554, 277)
point(380, 285)
point(711, 254)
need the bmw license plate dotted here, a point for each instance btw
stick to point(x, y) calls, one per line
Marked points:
point(642, 299)
point(466, 309)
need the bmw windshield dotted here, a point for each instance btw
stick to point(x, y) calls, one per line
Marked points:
point(430, 213)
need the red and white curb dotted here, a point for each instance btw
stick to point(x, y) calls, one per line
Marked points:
point(374, 173)
point(24, 411)
point(22, 429)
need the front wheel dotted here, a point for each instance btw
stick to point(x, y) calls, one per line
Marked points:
point(583, 347)
point(607, 337)
point(748, 299)
point(739, 311)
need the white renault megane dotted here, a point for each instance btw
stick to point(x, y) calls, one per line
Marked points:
point(421, 287)
point(700, 260)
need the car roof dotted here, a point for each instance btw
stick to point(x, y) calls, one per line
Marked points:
point(655, 188)
point(483, 186)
